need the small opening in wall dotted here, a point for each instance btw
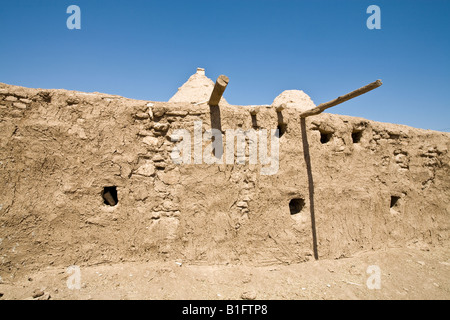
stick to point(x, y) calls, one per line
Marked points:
point(356, 136)
point(296, 205)
point(281, 129)
point(394, 201)
point(109, 195)
point(325, 137)
point(254, 121)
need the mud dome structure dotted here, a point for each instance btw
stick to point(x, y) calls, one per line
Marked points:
point(88, 178)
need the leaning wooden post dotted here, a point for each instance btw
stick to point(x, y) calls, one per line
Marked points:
point(321, 107)
point(312, 112)
point(219, 88)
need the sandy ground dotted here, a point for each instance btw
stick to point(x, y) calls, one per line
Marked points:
point(405, 274)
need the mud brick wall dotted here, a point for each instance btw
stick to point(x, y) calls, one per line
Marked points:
point(375, 185)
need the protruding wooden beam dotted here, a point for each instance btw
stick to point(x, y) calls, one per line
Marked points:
point(219, 88)
point(254, 111)
point(109, 198)
point(321, 107)
point(281, 107)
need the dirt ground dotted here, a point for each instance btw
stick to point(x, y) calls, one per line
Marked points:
point(405, 274)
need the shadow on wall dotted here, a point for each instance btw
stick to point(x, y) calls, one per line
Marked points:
point(216, 123)
point(310, 184)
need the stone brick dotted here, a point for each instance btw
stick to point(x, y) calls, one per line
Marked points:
point(152, 141)
point(161, 126)
point(20, 105)
point(142, 115)
point(170, 177)
point(16, 113)
point(159, 111)
point(146, 170)
point(242, 204)
point(179, 113)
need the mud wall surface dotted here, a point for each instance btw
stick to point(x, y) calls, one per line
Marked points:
point(374, 184)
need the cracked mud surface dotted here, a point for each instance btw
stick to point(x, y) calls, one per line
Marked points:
point(405, 274)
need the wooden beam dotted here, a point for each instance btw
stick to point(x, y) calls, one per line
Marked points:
point(321, 107)
point(219, 88)
point(281, 107)
point(109, 198)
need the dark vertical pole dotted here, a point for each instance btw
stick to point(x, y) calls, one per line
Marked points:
point(310, 184)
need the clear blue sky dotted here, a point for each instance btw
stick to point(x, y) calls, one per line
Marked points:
point(147, 49)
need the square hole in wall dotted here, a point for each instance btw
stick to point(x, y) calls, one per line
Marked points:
point(394, 201)
point(254, 122)
point(282, 127)
point(296, 205)
point(109, 195)
point(395, 205)
point(325, 137)
point(356, 136)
